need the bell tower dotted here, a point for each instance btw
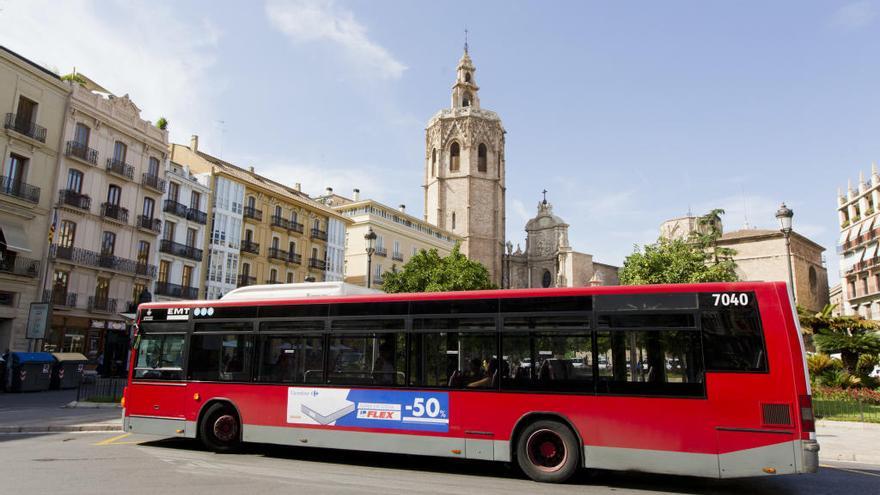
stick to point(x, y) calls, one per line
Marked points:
point(464, 172)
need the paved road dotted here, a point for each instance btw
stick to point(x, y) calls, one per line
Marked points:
point(42, 408)
point(98, 463)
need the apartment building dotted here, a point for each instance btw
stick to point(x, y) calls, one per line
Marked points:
point(858, 247)
point(32, 100)
point(182, 246)
point(111, 181)
point(399, 236)
point(263, 231)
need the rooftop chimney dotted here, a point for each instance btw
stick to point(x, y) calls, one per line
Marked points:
point(357, 195)
point(251, 169)
point(402, 208)
point(328, 191)
point(194, 143)
point(298, 186)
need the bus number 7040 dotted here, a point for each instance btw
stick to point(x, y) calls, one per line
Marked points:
point(727, 299)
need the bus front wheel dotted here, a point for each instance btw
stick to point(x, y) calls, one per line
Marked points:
point(220, 430)
point(548, 451)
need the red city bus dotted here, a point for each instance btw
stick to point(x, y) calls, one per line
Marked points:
point(704, 379)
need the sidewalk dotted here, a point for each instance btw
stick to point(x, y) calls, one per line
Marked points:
point(45, 412)
point(846, 441)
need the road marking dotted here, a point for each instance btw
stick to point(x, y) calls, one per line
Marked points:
point(850, 470)
point(113, 439)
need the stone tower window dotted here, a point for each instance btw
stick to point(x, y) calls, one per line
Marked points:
point(434, 162)
point(453, 220)
point(546, 279)
point(466, 100)
point(467, 77)
point(454, 152)
point(481, 158)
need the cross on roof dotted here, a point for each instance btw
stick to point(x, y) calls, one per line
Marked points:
point(544, 192)
point(465, 40)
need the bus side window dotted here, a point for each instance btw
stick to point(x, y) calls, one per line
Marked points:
point(291, 358)
point(160, 357)
point(547, 353)
point(454, 353)
point(733, 340)
point(220, 357)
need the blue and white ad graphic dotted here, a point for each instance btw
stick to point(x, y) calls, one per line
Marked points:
point(401, 410)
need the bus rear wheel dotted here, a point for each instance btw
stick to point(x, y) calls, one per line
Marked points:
point(548, 451)
point(220, 429)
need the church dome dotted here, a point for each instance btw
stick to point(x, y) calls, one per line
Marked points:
point(545, 218)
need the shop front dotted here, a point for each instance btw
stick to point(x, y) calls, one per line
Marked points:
point(104, 342)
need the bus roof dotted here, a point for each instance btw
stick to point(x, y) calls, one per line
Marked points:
point(264, 297)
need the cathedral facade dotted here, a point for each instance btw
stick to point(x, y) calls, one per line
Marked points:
point(464, 172)
point(549, 260)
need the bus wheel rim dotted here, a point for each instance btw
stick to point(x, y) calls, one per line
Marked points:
point(225, 428)
point(546, 450)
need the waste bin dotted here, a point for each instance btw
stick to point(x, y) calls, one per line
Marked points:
point(67, 371)
point(30, 371)
point(2, 373)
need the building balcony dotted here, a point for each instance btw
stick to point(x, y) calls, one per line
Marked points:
point(14, 264)
point(19, 189)
point(60, 298)
point(178, 249)
point(380, 251)
point(82, 152)
point(114, 212)
point(94, 259)
point(297, 227)
point(175, 208)
point(102, 304)
point(317, 264)
point(253, 213)
point(67, 197)
point(294, 258)
point(175, 290)
point(20, 125)
point(278, 254)
point(397, 256)
point(120, 168)
point(279, 222)
point(153, 182)
point(197, 216)
point(377, 280)
point(319, 234)
point(271, 282)
point(250, 247)
point(153, 225)
point(245, 280)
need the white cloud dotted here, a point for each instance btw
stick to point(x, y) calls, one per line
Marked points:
point(305, 21)
point(161, 60)
point(854, 15)
point(315, 178)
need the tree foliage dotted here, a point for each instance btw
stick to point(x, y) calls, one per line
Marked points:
point(162, 123)
point(427, 271)
point(851, 336)
point(74, 78)
point(675, 262)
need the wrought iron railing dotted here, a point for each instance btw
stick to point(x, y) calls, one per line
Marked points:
point(380, 251)
point(81, 151)
point(101, 260)
point(153, 182)
point(397, 256)
point(25, 127)
point(253, 213)
point(317, 264)
point(60, 298)
point(278, 254)
point(73, 198)
point(194, 215)
point(319, 234)
point(179, 249)
point(152, 224)
point(15, 187)
point(175, 208)
point(245, 280)
point(176, 290)
point(121, 168)
point(250, 247)
point(102, 304)
point(114, 211)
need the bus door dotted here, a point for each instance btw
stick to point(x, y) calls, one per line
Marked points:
point(157, 402)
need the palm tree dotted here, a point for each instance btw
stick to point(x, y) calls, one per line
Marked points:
point(851, 336)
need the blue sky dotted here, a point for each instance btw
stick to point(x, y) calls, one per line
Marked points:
point(629, 113)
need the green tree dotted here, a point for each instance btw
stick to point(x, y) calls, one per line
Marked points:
point(162, 123)
point(851, 336)
point(427, 271)
point(675, 262)
point(707, 235)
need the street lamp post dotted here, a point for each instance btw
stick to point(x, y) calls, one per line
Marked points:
point(509, 247)
point(370, 237)
point(784, 214)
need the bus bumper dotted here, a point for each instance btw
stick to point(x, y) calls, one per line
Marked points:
point(811, 456)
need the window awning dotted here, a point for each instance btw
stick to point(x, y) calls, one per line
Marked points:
point(13, 234)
